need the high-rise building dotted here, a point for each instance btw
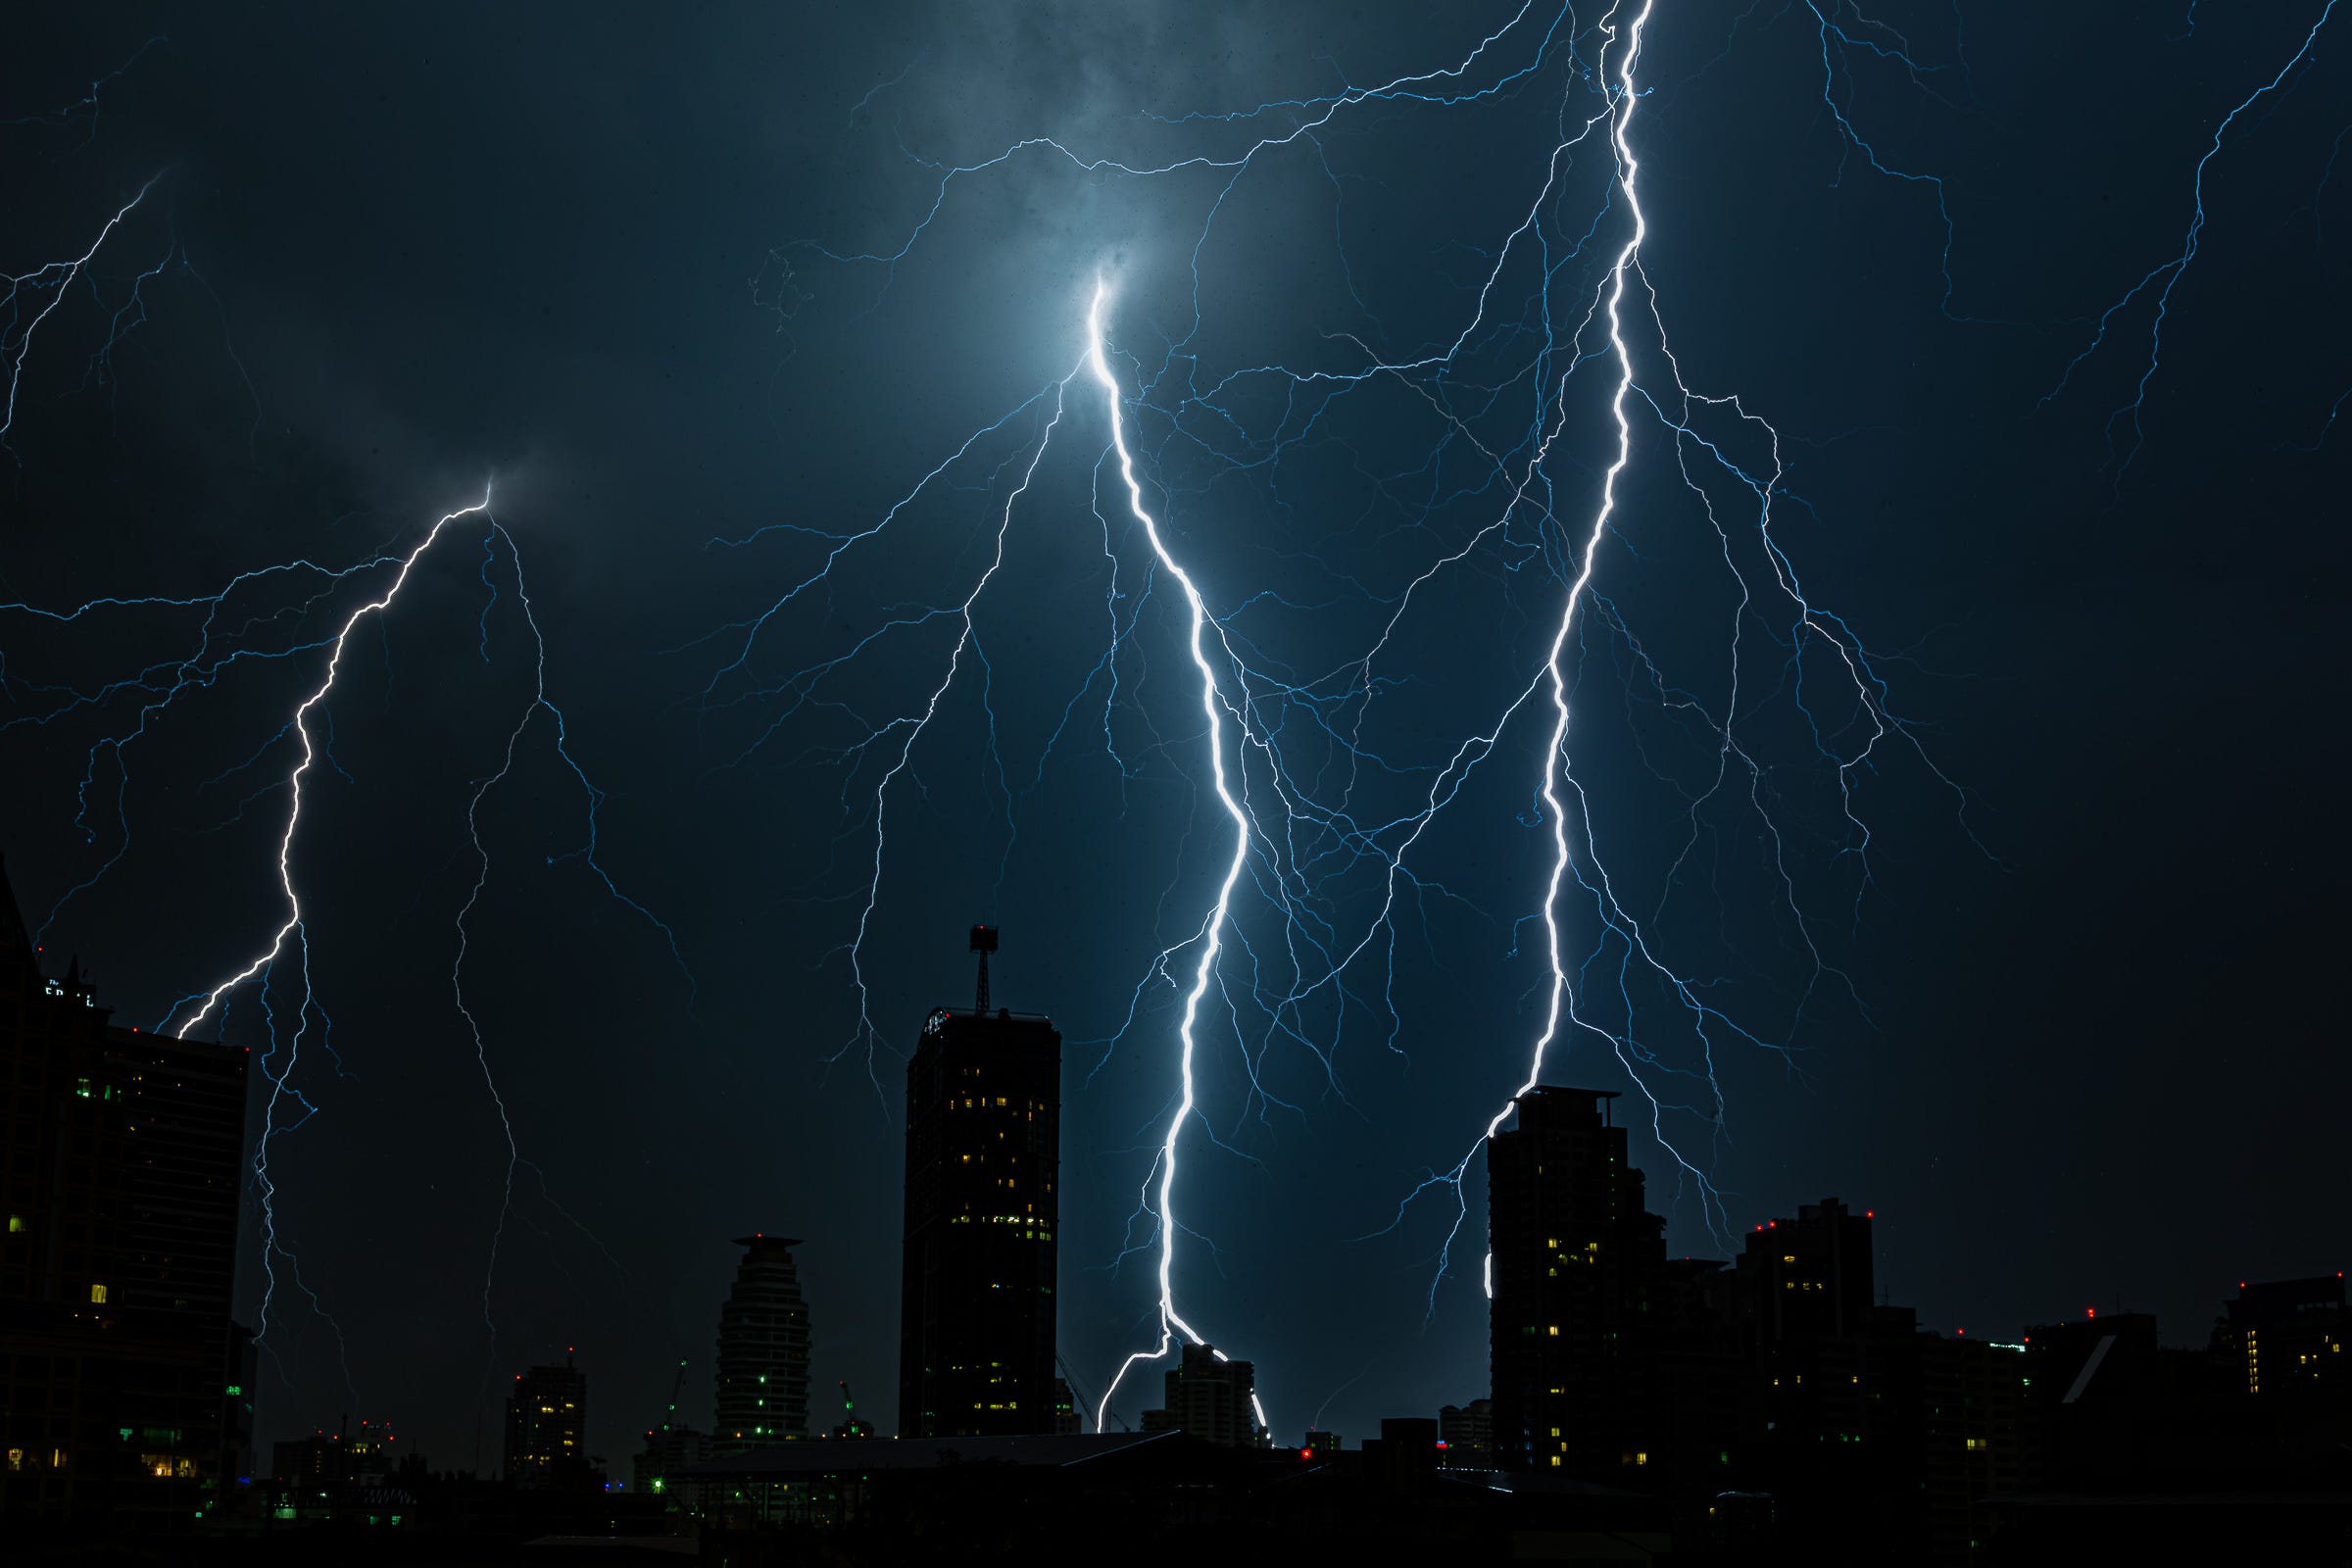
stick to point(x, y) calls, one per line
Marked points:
point(1466, 1432)
point(119, 1395)
point(1810, 1329)
point(976, 1328)
point(763, 1392)
point(1211, 1397)
point(547, 1426)
point(2284, 1342)
point(1576, 1261)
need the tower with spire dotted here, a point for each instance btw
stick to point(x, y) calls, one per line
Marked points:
point(978, 1303)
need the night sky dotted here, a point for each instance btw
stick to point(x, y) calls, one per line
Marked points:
point(2069, 1023)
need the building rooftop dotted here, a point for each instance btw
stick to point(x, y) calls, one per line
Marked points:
point(824, 1457)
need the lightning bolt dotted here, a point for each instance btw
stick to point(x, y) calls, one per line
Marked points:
point(1287, 749)
point(220, 645)
point(1211, 935)
point(2162, 279)
point(55, 278)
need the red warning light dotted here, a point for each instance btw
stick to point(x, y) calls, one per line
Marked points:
point(2090, 1311)
point(1869, 1214)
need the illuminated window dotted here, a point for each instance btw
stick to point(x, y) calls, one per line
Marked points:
point(98, 1294)
point(1555, 1461)
point(16, 1224)
point(1555, 1331)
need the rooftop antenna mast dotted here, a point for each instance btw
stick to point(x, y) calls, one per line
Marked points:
point(984, 942)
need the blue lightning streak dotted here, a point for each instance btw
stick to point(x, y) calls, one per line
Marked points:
point(2174, 268)
point(538, 703)
point(57, 278)
point(916, 725)
point(64, 114)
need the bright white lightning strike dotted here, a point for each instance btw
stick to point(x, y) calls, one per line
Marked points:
point(309, 755)
point(1554, 752)
point(1211, 935)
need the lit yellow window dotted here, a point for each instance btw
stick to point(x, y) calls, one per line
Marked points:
point(98, 1297)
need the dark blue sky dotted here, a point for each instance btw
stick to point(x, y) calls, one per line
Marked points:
point(2073, 1040)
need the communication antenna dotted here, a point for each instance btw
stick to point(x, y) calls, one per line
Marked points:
point(984, 942)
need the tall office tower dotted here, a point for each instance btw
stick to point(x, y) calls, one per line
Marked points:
point(118, 1191)
point(1812, 1335)
point(1576, 1264)
point(762, 1351)
point(1211, 1397)
point(546, 1424)
point(976, 1326)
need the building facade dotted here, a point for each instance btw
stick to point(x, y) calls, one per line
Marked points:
point(763, 1380)
point(1466, 1434)
point(1577, 1261)
point(122, 1390)
point(547, 1426)
point(977, 1313)
point(1210, 1396)
point(2283, 1341)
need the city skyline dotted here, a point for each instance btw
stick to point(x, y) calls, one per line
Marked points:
point(548, 571)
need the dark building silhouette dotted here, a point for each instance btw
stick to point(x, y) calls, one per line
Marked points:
point(341, 1455)
point(547, 1426)
point(2284, 1342)
point(762, 1387)
point(1211, 1397)
point(1466, 1433)
point(1806, 1306)
point(122, 1386)
point(1576, 1264)
point(977, 1329)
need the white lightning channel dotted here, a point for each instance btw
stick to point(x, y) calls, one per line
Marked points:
point(1213, 930)
point(309, 755)
point(1554, 752)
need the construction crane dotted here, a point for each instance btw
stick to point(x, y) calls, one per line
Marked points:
point(851, 1426)
point(670, 1417)
point(1084, 1398)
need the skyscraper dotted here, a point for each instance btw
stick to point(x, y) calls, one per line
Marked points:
point(976, 1327)
point(546, 1424)
point(119, 1195)
point(762, 1350)
point(1210, 1396)
point(1576, 1262)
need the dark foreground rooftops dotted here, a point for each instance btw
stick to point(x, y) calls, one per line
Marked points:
point(865, 1456)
